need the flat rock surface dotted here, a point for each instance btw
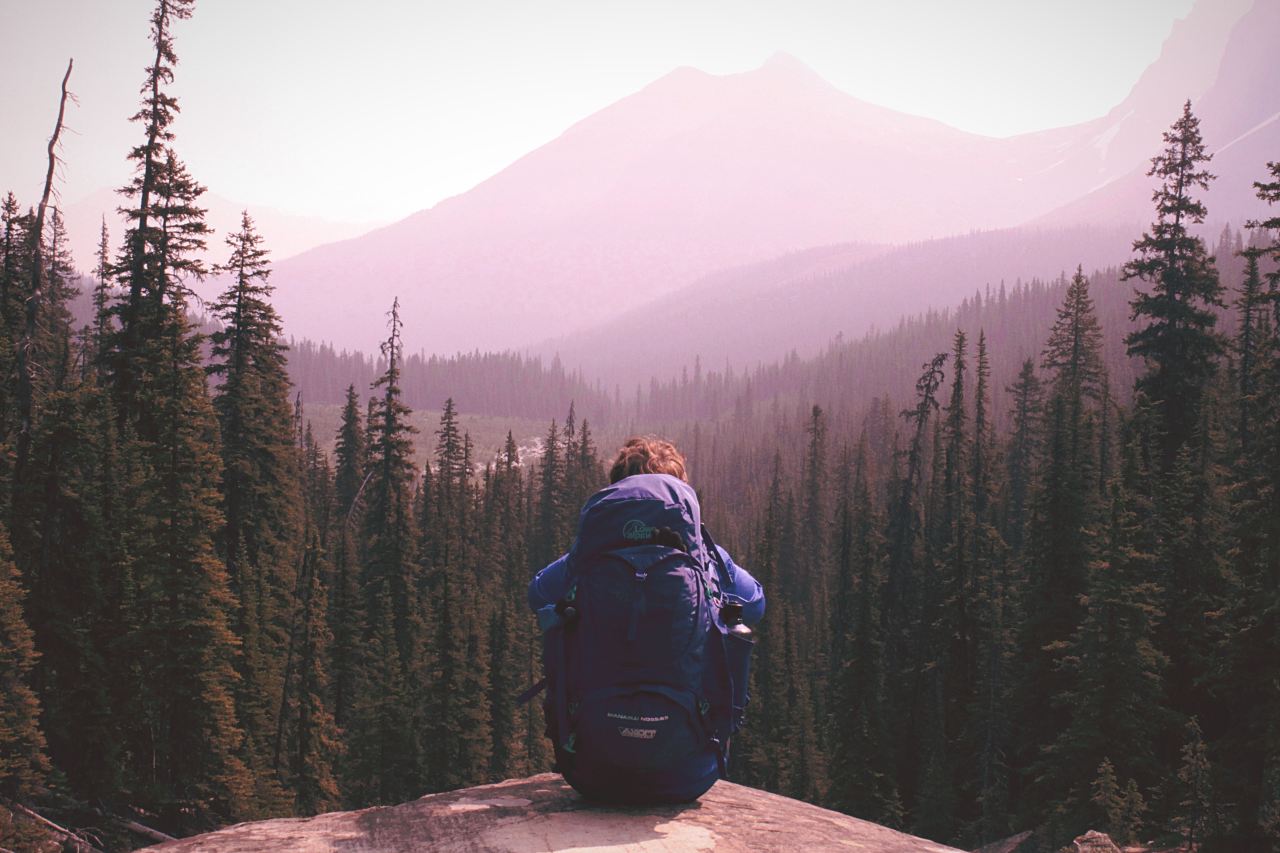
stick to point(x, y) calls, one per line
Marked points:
point(543, 813)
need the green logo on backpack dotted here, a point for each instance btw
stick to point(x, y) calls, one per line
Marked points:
point(637, 530)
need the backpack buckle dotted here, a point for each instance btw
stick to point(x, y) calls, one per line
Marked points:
point(567, 611)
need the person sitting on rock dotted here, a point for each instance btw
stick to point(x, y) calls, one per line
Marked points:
point(647, 638)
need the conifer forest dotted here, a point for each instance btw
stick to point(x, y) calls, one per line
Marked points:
point(1022, 556)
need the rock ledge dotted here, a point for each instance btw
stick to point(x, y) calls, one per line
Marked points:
point(542, 813)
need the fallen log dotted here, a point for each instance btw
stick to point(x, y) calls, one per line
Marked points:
point(145, 831)
point(81, 845)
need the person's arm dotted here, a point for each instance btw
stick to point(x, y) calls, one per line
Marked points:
point(548, 585)
point(745, 588)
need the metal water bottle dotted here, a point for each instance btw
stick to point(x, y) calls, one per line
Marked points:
point(739, 641)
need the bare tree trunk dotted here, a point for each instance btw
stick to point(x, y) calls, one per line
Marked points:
point(34, 298)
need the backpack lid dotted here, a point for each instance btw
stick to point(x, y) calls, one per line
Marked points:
point(627, 512)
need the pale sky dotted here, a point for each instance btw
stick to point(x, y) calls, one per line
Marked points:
point(368, 111)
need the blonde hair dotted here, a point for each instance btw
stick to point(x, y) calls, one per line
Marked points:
point(647, 454)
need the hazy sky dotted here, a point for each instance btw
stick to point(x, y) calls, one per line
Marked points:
point(368, 111)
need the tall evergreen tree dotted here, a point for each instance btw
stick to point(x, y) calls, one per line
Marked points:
point(1065, 509)
point(346, 601)
point(863, 781)
point(1115, 694)
point(65, 557)
point(261, 498)
point(183, 737)
point(900, 617)
point(1250, 348)
point(1177, 338)
point(460, 726)
point(148, 230)
point(1022, 457)
point(987, 739)
point(389, 744)
point(548, 540)
point(307, 733)
point(186, 737)
point(23, 765)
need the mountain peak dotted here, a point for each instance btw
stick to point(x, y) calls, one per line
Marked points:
point(783, 64)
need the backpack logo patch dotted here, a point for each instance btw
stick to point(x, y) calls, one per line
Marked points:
point(642, 734)
point(637, 530)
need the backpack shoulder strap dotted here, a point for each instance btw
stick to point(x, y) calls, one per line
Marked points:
point(723, 573)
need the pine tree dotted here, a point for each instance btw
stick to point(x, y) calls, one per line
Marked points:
point(13, 260)
point(1107, 798)
point(388, 518)
point(66, 561)
point(102, 296)
point(261, 540)
point(1191, 566)
point(1196, 804)
point(901, 615)
point(1178, 340)
point(389, 746)
point(178, 712)
point(1074, 350)
point(381, 764)
point(1022, 457)
point(759, 747)
point(1114, 697)
point(145, 262)
point(1065, 508)
point(307, 733)
point(460, 736)
point(346, 601)
point(1251, 348)
point(947, 604)
point(1268, 191)
point(956, 608)
point(514, 641)
point(12, 244)
point(547, 542)
point(811, 584)
point(995, 614)
point(811, 578)
point(186, 643)
point(862, 771)
point(23, 765)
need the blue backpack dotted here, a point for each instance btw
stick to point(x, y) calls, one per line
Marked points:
point(640, 697)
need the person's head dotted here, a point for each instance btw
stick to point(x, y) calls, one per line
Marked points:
point(647, 454)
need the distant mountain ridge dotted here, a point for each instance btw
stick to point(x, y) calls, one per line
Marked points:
point(285, 234)
point(698, 173)
point(759, 314)
point(760, 320)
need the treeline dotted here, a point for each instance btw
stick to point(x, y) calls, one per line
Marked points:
point(1015, 318)
point(499, 384)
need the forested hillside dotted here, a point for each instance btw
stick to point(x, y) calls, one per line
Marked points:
point(1015, 317)
point(1022, 559)
point(504, 384)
